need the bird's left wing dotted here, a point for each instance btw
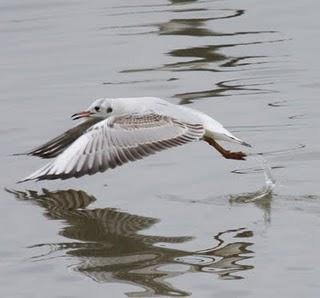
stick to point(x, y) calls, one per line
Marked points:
point(57, 145)
point(117, 140)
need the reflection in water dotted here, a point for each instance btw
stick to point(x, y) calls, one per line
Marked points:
point(261, 199)
point(181, 1)
point(110, 248)
point(209, 58)
point(194, 26)
point(206, 55)
point(225, 88)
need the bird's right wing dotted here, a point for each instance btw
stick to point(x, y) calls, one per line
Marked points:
point(117, 140)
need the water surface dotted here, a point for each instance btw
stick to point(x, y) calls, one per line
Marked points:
point(184, 222)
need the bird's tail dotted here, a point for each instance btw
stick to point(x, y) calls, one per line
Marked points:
point(229, 137)
point(216, 131)
point(239, 141)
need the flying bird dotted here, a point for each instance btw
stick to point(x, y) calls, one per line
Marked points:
point(115, 131)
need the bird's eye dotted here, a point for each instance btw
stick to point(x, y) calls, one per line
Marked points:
point(97, 109)
point(109, 110)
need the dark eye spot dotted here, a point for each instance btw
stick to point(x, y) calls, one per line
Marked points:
point(97, 109)
point(109, 110)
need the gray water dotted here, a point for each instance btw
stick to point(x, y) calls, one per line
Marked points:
point(185, 222)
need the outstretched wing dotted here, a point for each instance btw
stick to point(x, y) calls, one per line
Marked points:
point(57, 145)
point(117, 140)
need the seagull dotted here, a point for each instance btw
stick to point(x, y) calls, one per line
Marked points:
point(115, 131)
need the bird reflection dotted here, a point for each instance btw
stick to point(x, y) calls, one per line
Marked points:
point(109, 246)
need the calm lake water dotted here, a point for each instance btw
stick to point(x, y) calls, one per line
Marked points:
point(185, 222)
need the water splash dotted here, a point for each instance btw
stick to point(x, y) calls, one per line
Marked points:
point(270, 181)
point(265, 191)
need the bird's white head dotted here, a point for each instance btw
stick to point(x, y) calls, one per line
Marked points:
point(100, 108)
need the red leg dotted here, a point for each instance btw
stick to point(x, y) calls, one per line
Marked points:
point(225, 153)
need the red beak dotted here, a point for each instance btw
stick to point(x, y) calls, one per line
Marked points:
point(81, 115)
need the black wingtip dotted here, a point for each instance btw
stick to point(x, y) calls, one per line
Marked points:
point(26, 180)
point(22, 180)
point(246, 144)
point(19, 154)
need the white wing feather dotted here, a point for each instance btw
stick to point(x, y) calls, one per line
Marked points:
point(118, 140)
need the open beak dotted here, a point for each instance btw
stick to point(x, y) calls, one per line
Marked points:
point(81, 115)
